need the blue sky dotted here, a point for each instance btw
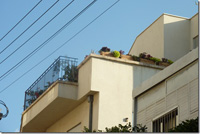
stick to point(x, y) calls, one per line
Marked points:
point(116, 29)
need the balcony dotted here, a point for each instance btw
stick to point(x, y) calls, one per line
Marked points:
point(55, 91)
point(62, 69)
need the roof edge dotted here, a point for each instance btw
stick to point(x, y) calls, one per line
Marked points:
point(113, 59)
point(180, 64)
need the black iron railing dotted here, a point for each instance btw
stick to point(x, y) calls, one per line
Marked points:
point(63, 69)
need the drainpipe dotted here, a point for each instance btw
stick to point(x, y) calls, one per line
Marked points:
point(135, 113)
point(90, 100)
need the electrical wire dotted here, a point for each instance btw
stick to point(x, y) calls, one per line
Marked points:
point(29, 27)
point(60, 46)
point(36, 32)
point(20, 20)
point(7, 110)
point(45, 42)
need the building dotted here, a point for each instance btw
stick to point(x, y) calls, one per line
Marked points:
point(106, 91)
point(169, 36)
point(102, 97)
point(170, 96)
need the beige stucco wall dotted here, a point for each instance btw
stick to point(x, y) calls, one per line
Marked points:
point(193, 29)
point(115, 81)
point(30, 113)
point(180, 90)
point(176, 37)
point(43, 112)
point(79, 115)
point(84, 78)
point(169, 36)
point(151, 40)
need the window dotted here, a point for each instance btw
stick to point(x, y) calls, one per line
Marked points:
point(195, 42)
point(166, 122)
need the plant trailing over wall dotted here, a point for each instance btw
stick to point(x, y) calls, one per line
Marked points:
point(187, 126)
point(104, 49)
point(116, 54)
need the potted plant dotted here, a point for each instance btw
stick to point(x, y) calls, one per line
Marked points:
point(116, 54)
point(71, 73)
point(105, 51)
point(136, 58)
point(156, 60)
point(122, 56)
point(165, 62)
point(144, 57)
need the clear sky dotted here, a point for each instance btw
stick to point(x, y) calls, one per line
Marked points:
point(116, 29)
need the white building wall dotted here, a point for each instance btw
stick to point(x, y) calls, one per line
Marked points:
point(151, 40)
point(193, 29)
point(142, 73)
point(176, 37)
point(115, 81)
point(169, 37)
point(180, 90)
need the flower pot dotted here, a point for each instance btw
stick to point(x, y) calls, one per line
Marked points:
point(164, 64)
point(147, 61)
point(107, 54)
point(128, 57)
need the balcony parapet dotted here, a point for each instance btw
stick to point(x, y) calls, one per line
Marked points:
point(62, 69)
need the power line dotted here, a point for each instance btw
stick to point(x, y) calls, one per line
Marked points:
point(20, 20)
point(60, 46)
point(36, 32)
point(45, 42)
point(29, 26)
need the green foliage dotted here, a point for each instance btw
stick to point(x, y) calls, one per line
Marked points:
point(156, 60)
point(71, 73)
point(145, 55)
point(135, 58)
point(121, 128)
point(140, 128)
point(116, 54)
point(167, 60)
point(170, 62)
point(187, 126)
point(88, 130)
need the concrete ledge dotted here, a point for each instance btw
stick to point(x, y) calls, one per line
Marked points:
point(167, 72)
point(124, 61)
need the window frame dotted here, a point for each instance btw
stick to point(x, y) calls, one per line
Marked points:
point(165, 114)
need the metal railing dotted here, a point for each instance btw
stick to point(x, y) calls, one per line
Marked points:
point(63, 69)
